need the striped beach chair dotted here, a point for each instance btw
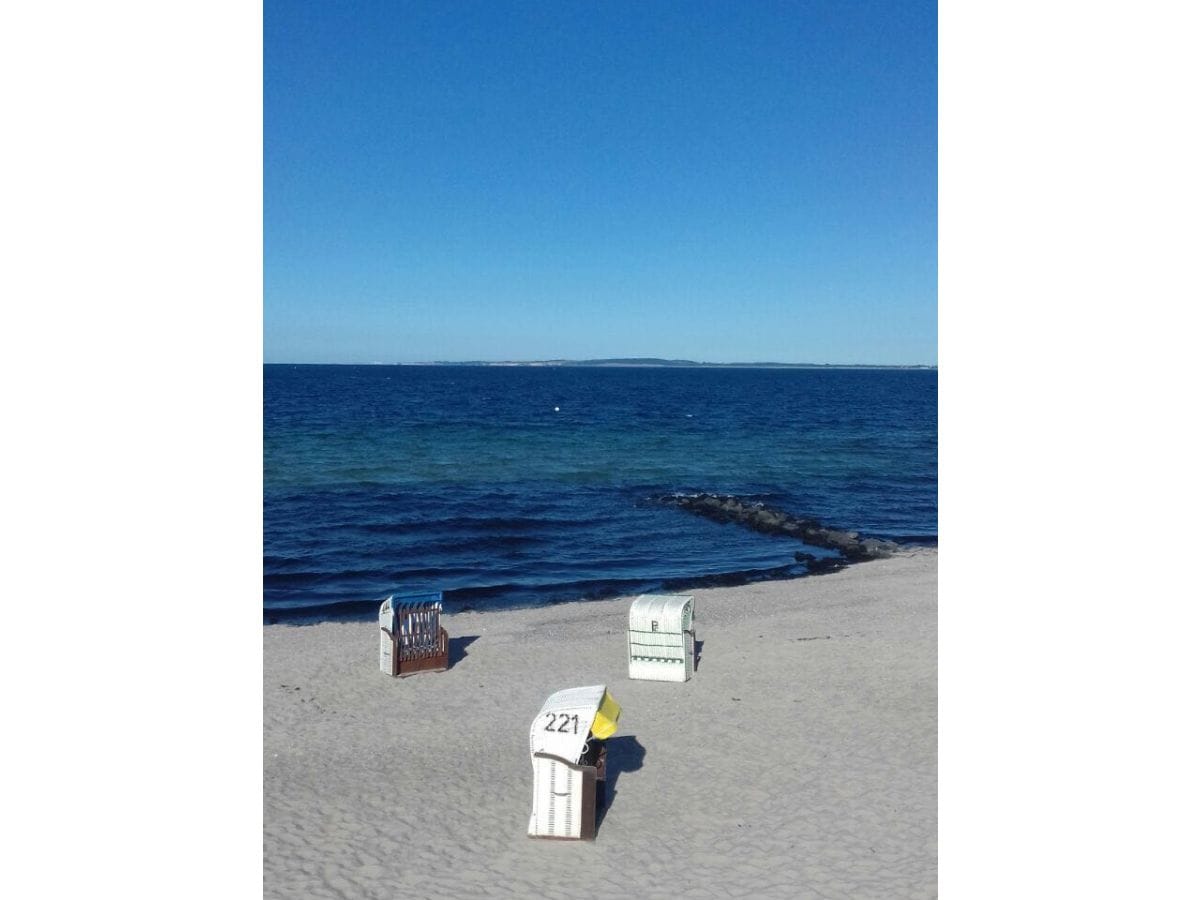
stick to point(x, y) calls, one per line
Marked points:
point(662, 640)
point(411, 636)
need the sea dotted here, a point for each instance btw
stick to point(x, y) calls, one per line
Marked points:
point(526, 485)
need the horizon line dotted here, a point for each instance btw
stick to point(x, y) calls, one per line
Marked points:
point(616, 362)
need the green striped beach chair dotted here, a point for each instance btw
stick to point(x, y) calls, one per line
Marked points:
point(662, 640)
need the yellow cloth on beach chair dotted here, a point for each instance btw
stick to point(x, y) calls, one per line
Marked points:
point(605, 723)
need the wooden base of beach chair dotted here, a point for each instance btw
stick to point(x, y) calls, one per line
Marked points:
point(410, 662)
point(593, 795)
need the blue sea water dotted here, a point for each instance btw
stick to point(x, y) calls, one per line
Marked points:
point(520, 485)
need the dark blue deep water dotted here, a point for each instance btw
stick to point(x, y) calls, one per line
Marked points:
point(466, 479)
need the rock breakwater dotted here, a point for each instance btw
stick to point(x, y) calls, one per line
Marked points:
point(761, 518)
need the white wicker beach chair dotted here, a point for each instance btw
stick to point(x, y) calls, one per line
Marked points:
point(662, 641)
point(566, 747)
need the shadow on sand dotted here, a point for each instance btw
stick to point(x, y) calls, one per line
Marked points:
point(625, 754)
point(458, 648)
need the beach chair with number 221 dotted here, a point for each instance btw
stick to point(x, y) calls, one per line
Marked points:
point(567, 749)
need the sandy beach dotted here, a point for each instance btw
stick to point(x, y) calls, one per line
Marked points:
point(800, 761)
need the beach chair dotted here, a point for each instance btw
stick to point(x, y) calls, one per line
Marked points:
point(411, 636)
point(567, 749)
point(662, 640)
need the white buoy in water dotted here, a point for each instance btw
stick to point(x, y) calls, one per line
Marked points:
point(556, 409)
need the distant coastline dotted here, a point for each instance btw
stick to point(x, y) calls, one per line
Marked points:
point(625, 363)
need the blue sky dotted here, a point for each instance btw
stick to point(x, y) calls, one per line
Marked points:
point(493, 180)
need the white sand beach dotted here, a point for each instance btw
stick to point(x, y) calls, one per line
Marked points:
point(800, 761)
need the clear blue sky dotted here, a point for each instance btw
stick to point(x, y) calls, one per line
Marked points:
point(732, 181)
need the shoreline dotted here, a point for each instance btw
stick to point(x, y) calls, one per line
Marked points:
point(799, 761)
point(364, 610)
